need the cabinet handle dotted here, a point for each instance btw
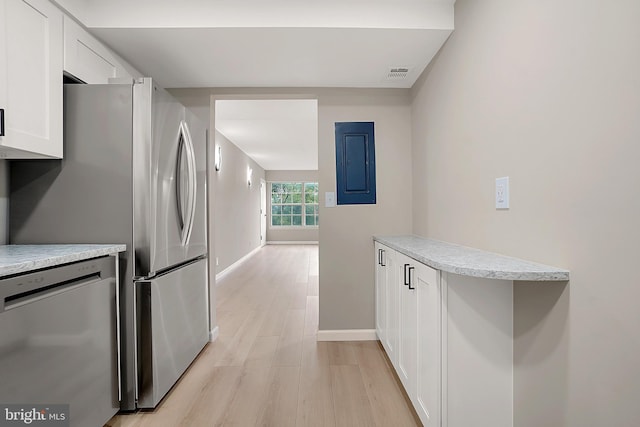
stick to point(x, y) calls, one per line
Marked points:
point(382, 258)
point(405, 275)
point(1, 121)
point(410, 279)
point(379, 256)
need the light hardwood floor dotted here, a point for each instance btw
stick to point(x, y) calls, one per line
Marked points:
point(267, 369)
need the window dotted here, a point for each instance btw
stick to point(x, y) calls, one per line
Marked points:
point(294, 204)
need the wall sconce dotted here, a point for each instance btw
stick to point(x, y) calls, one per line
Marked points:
point(249, 175)
point(218, 157)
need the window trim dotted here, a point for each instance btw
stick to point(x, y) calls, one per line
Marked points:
point(302, 204)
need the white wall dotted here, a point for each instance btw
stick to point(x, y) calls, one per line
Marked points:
point(547, 93)
point(237, 205)
point(346, 244)
point(292, 175)
point(275, 234)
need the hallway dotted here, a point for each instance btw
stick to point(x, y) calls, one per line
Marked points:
point(266, 367)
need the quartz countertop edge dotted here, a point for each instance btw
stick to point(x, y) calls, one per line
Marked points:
point(16, 259)
point(472, 262)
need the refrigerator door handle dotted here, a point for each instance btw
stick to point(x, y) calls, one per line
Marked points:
point(178, 181)
point(192, 183)
point(194, 187)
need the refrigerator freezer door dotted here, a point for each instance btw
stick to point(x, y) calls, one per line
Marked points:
point(172, 319)
point(166, 194)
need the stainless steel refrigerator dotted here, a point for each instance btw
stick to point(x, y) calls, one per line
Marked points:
point(134, 172)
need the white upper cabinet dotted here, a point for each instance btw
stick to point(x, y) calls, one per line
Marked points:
point(30, 79)
point(86, 58)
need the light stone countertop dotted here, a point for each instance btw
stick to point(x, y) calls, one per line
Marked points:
point(15, 259)
point(469, 261)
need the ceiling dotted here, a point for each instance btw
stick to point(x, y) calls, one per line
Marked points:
point(272, 43)
point(276, 57)
point(277, 134)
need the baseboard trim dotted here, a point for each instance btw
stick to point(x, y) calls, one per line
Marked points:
point(213, 334)
point(347, 335)
point(236, 264)
point(292, 242)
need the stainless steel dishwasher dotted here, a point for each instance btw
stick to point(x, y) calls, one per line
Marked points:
point(59, 339)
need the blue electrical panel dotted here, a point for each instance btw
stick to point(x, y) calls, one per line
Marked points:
point(355, 163)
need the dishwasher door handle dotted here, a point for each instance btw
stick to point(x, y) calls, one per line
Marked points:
point(11, 302)
point(22, 289)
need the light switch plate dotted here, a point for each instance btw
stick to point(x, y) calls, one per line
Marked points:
point(329, 199)
point(502, 193)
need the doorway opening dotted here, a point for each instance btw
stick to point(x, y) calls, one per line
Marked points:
point(265, 180)
point(266, 177)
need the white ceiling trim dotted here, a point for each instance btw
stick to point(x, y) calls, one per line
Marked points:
point(413, 14)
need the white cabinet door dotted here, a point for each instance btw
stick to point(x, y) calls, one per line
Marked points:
point(387, 300)
point(426, 280)
point(381, 288)
point(408, 336)
point(391, 296)
point(31, 79)
point(86, 58)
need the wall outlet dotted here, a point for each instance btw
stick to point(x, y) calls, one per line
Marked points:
point(502, 193)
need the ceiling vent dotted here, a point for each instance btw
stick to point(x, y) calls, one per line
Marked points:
point(397, 73)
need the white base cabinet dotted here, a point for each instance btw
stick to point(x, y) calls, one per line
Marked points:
point(408, 324)
point(30, 79)
point(454, 348)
